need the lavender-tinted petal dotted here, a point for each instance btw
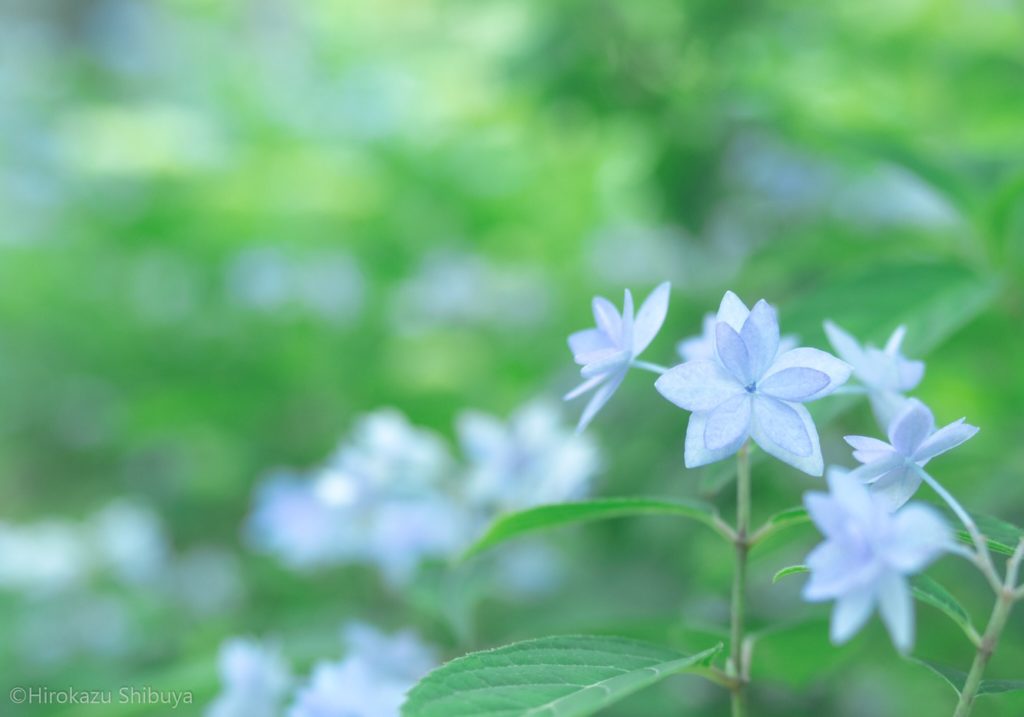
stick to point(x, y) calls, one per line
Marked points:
point(828, 565)
point(825, 512)
point(909, 374)
point(732, 311)
point(837, 371)
point(732, 352)
point(886, 405)
point(588, 341)
point(876, 470)
point(697, 453)
point(909, 429)
point(697, 385)
point(944, 439)
point(626, 336)
point(850, 613)
point(782, 425)
point(892, 346)
point(848, 492)
point(607, 318)
point(896, 487)
point(919, 536)
point(728, 424)
point(794, 384)
point(760, 335)
point(846, 346)
point(769, 436)
point(871, 448)
point(598, 400)
point(897, 608)
point(603, 362)
point(650, 317)
point(584, 387)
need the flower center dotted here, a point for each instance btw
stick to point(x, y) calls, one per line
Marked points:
point(752, 387)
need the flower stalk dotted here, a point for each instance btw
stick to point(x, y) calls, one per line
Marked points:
point(737, 664)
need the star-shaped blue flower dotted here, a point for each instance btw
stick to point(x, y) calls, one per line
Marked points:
point(867, 555)
point(892, 470)
point(752, 390)
point(607, 351)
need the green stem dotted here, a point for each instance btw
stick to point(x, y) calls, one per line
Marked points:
point(996, 623)
point(1005, 597)
point(737, 664)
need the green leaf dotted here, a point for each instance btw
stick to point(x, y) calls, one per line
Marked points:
point(569, 676)
point(930, 592)
point(789, 518)
point(956, 679)
point(791, 570)
point(1002, 537)
point(544, 517)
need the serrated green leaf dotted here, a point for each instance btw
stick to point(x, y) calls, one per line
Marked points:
point(957, 678)
point(569, 676)
point(513, 525)
point(1002, 537)
point(791, 570)
point(930, 592)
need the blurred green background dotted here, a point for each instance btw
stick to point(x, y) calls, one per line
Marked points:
point(227, 229)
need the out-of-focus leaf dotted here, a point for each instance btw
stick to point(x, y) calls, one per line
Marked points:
point(930, 592)
point(1002, 537)
point(556, 515)
point(569, 676)
point(789, 518)
point(791, 570)
point(957, 678)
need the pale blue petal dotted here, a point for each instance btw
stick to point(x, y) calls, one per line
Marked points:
point(886, 405)
point(605, 361)
point(760, 334)
point(650, 317)
point(728, 423)
point(909, 429)
point(826, 513)
point(827, 563)
point(846, 346)
point(837, 371)
point(892, 346)
point(783, 426)
point(626, 337)
point(697, 385)
point(732, 311)
point(944, 439)
point(854, 498)
point(598, 400)
point(732, 352)
point(850, 613)
point(701, 347)
point(919, 536)
point(909, 374)
point(869, 450)
point(766, 436)
point(794, 384)
point(607, 318)
point(697, 453)
point(586, 342)
point(897, 608)
point(896, 487)
point(584, 387)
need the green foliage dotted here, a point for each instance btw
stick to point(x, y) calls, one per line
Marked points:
point(957, 678)
point(570, 676)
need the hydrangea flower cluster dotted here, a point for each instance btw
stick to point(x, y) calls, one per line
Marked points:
point(387, 496)
point(369, 681)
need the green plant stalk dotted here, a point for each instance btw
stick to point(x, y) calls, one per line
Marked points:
point(739, 584)
point(1005, 597)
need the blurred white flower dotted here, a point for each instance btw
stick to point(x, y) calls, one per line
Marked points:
point(207, 580)
point(867, 555)
point(530, 459)
point(46, 556)
point(372, 679)
point(130, 541)
point(254, 679)
point(885, 373)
